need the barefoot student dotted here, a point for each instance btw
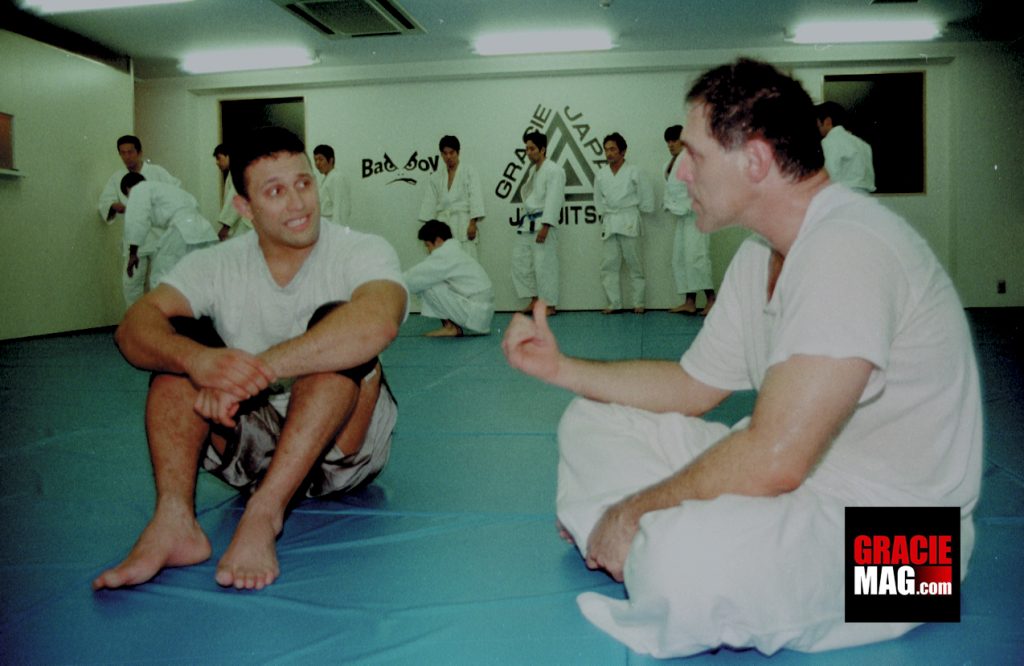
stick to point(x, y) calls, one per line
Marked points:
point(452, 285)
point(281, 394)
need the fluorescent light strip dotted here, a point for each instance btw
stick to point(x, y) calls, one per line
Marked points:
point(847, 32)
point(65, 6)
point(241, 60)
point(542, 41)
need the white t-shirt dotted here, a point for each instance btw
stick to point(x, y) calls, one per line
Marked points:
point(859, 282)
point(231, 283)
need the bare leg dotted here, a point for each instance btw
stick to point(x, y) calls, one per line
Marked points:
point(321, 405)
point(173, 537)
point(710, 295)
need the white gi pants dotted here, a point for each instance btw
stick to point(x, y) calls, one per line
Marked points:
point(614, 249)
point(471, 314)
point(691, 256)
point(737, 571)
point(535, 267)
point(458, 222)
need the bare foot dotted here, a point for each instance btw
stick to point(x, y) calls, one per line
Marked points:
point(551, 311)
point(686, 308)
point(707, 308)
point(449, 330)
point(639, 310)
point(168, 541)
point(250, 562)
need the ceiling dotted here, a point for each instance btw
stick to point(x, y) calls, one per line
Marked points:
point(156, 37)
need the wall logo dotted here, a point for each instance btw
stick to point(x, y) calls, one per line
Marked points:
point(387, 167)
point(902, 564)
point(572, 145)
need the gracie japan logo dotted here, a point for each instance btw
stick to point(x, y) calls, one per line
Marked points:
point(902, 564)
point(573, 145)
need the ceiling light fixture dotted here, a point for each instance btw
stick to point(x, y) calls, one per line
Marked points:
point(242, 60)
point(542, 41)
point(65, 6)
point(847, 32)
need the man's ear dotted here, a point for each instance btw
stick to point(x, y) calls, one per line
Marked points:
point(760, 159)
point(241, 205)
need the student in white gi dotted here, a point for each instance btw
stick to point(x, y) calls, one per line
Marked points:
point(848, 158)
point(112, 203)
point(453, 195)
point(841, 317)
point(691, 251)
point(280, 392)
point(452, 285)
point(231, 222)
point(161, 221)
point(335, 190)
point(535, 253)
point(621, 194)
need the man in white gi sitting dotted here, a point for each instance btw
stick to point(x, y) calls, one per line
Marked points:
point(283, 395)
point(161, 222)
point(848, 158)
point(452, 285)
point(621, 194)
point(112, 204)
point(734, 536)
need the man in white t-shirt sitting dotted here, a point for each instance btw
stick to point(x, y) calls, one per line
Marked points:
point(283, 396)
point(840, 316)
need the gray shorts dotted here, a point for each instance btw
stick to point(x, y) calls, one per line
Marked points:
point(250, 447)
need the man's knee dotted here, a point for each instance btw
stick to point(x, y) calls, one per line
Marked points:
point(357, 373)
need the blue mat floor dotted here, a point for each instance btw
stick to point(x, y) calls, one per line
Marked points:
point(450, 557)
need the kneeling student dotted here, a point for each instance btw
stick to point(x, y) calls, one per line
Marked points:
point(452, 286)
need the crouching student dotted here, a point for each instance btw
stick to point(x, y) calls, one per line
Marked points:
point(163, 222)
point(452, 286)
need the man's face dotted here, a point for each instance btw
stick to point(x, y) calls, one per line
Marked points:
point(283, 203)
point(323, 165)
point(714, 176)
point(131, 157)
point(612, 154)
point(223, 162)
point(450, 157)
point(533, 153)
point(675, 146)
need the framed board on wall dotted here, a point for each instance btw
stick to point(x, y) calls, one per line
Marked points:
point(887, 111)
point(6, 142)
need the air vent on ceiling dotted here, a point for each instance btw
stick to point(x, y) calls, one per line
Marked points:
point(354, 18)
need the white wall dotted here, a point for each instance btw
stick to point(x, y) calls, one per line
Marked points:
point(59, 264)
point(970, 214)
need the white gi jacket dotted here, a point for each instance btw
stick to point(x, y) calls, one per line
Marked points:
point(457, 205)
point(677, 196)
point(229, 215)
point(848, 160)
point(451, 268)
point(336, 198)
point(544, 194)
point(154, 209)
point(620, 198)
point(112, 191)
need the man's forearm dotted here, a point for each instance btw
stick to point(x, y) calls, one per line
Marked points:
point(148, 341)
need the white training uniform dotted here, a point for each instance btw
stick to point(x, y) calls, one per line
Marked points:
point(535, 265)
point(619, 199)
point(453, 285)
point(163, 221)
point(455, 205)
point(229, 215)
point(691, 248)
point(336, 198)
point(133, 287)
point(849, 160)
point(768, 572)
point(231, 284)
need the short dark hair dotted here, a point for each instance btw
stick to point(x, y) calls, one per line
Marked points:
point(258, 144)
point(831, 110)
point(617, 139)
point(674, 133)
point(539, 139)
point(130, 180)
point(221, 149)
point(432, 230)
point(748, 100)
point(325, 150)
point(449, 141)
point(132, 139)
